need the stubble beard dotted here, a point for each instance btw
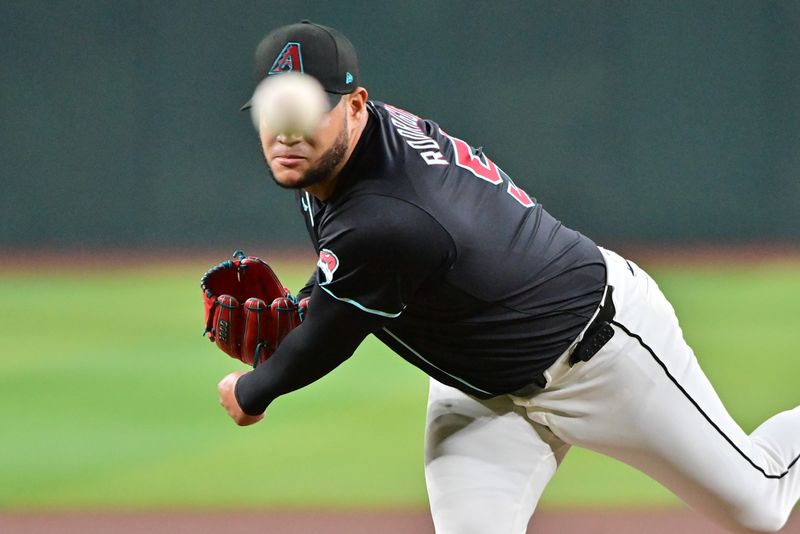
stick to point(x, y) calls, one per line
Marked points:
point(324, 168)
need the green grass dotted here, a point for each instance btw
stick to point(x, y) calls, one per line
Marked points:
point(108, 398)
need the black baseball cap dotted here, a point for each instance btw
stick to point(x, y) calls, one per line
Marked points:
point(309, 48)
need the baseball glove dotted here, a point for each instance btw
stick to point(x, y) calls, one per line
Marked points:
point(248, 311)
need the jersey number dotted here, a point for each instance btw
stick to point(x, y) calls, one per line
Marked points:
point(485, 169)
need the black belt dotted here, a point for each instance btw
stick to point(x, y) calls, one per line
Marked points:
point(597, 334)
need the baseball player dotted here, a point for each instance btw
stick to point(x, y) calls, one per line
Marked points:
point(535, 338)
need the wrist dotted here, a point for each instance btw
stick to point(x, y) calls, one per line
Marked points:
point(243, 399)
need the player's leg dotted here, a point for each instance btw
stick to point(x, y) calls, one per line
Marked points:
point(644, 400)
point(486, 464)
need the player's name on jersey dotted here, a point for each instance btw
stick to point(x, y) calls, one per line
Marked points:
point(407, 125)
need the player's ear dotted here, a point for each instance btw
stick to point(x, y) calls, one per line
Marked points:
point(357, 102)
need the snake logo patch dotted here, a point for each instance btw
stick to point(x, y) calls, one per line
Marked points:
point(327, 263)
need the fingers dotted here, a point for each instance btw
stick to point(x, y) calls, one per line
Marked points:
point(248, 420)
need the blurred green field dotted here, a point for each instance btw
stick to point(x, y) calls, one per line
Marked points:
point(108, 399)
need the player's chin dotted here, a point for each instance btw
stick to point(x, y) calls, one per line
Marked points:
point(292, 178)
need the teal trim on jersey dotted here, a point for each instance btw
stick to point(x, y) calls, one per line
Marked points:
point(362, 307)
point(418, 355)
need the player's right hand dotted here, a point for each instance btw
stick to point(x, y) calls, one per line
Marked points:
point(227, 398)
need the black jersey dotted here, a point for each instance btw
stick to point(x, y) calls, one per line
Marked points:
point(483, 287)
point(430, 246)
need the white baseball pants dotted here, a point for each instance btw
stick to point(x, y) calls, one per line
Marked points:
point(642, 399)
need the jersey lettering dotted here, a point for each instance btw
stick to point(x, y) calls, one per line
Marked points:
point(434, 157)
point(423, 144)
point(407, 125)
point(476, 162)
point(521, 196)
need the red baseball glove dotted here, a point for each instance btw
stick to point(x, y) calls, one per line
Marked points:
point(248, 311)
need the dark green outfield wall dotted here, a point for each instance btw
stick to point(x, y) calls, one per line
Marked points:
point(631, 121)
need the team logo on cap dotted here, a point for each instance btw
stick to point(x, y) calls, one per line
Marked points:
point(288, 60)
point(327, 263)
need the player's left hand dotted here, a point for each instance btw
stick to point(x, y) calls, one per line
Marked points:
point(227, 399)
point(248, 311)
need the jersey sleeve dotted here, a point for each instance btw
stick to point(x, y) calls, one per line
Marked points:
point(377, 253)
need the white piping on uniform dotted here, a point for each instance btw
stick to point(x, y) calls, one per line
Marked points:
point(307, 205)
point(418, 355)
point(361, 306)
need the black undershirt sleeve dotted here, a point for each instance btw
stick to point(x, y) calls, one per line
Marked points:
point(329, 335)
